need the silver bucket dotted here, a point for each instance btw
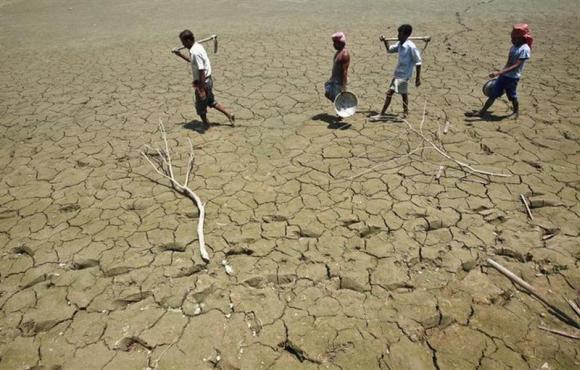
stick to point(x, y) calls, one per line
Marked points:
point(345, 104)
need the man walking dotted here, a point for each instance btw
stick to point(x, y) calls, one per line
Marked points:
point(340, 63)
point(202, 78)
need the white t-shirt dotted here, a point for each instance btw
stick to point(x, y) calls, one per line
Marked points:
point(199, 61)
point(409, 57)
point(522, 52)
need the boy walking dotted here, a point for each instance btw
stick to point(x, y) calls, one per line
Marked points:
point(409, 59)
point(509, 76)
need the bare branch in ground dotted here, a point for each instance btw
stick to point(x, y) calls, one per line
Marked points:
point(160, 160)
point(463, 165)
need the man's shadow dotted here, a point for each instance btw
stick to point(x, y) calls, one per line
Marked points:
point(199, 127)
point(334, 123)
point(196, 126)
point(487, 117)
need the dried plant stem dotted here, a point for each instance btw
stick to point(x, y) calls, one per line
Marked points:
point(528, 210)
point(164, 167)
point(574, 306)
point(534, 292)
point(559, 332)
point(440, 150)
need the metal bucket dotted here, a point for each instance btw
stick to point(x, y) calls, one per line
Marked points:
point(345, 104)
point(489, 87)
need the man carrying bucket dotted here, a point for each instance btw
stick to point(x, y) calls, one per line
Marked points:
point(508, 78)
point(340, 63)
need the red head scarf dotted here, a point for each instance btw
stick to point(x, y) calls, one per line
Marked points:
point(523, 31)
point(340, 37)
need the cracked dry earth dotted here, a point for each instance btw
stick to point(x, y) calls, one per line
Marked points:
point(347, 252)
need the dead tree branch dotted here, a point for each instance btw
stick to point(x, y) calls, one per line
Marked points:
point(161, 162)
point(463, 165)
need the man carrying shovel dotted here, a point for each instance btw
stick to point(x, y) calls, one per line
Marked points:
point(409, 59)
point(202, 80)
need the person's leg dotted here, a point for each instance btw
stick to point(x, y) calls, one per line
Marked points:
point(405, 104)
point(221, 108)
point(204, 119)
point(388, 99)
point(483, 110)
point(516, 104)
point(512, 94)
point(486, 106)
point(201, 109)
point(211, 102)
point(498, 89)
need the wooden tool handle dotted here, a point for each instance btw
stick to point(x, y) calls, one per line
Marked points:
point(212, 37)
point(421, 38)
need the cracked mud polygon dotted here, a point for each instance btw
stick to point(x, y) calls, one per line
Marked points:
point(347, 252)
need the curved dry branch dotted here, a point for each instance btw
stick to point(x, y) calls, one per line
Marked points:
point(164, 167)
point(464, 166)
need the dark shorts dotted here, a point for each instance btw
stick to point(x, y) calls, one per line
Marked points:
point(507, 84)
point(332, 89)
point(209, 101)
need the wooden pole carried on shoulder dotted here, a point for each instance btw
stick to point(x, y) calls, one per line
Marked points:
point(419, 38)
point(213, 38)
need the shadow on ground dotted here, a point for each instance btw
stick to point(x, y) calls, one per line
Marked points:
point(334, 122)
point(488, 117)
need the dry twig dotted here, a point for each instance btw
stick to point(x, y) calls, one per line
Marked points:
point(528, 210)
point(160, 160)
point(463, 165)
point(559, 332)
point(534, 292)
point(574, 306)
point(374, 168)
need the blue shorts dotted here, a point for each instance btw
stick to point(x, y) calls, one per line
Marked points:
point(332, 89)
point(507, 84)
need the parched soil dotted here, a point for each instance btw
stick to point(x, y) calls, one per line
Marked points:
point(348, 250)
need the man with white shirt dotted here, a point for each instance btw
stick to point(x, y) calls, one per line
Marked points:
point(202, 77)
point(409, 59)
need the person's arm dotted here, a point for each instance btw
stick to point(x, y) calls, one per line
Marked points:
point(200, 84)
point(523, 55)
point(416, 55)
point(178, 53)
point(507, 69)
point(389, 48)
point(200, 88)
point(201, 81)
point(345, 63)
point(418, 78)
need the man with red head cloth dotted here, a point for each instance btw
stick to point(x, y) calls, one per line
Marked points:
point(340, 63)
point(509, 76)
